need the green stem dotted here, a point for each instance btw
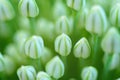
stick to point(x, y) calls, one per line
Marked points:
point(32, 25)
point(107, 67)
point(94, 48)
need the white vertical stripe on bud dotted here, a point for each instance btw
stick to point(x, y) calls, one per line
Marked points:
point(26, 73)
point(96, 21)
point(1, 62)
point(28, 8)
point(111, 41)
point(34, 47)
point(82, 48)
point(55, 68)
point(89, 73)
point(63, 44)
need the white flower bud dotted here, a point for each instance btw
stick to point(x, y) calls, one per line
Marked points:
point(111, 41)
point(63, 44)
point(63, 25)
point(76, 4)
point(6, 10)
point(43, 76)
point(96, 21)
point(28, 8)
point(82, 48)
point(55, 68)
point(89, 73)
point(34, 47)
point(118, 79)
point(115, 15)
point(1, 62)
point(26, 73)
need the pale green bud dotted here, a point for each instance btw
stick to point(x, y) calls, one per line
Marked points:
point(55, 68)
point(9, 65)
point(82, 17)
point(28, 8)
point(2, 64)
point(89, 73)
point(82, 48)
point(59, 9)
point(43, 76)
point(76, 4)
point(26, 73)
point(34, 47)
point(111, 41)
point(6, 10)
point(96, 22)
point(45, 28)
point(114, 61)
point(63, 44)
point(115, 15)
point(63, 25)
point(118, 79)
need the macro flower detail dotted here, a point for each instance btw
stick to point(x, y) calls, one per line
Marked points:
point(6, 10)
point(96, 22)
point(43, 76)
point(111, 41)
point(26, 73)
point(82, 48)
point(89, 73)
point(115, 15)
point(28, 8)
point(63, 25)
point(55, 68)
point(34, 47)
point(76, 4)
point(63, 44)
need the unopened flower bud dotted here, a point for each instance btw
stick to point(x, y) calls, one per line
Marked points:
point(26, 73)
point(82, 48)
point(96, 22)
point(115, 15)
point(28, 8)
point(55, 68)
point(6, 10)
point(43, 76)
point(63, 44)
point(63, 25)
point(34, 47)
point(1, 62)
point(76, 4)
point(89, 73)
point(111, 41)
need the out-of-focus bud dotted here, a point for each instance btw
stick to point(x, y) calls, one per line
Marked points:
point(113, 59)
point(45, 28)
point(28, 8)
point(89, 73)
point(115, 15)
point(55, 68)
point(63, 25)
point(81, 19)
point(63, 44)
point(96, 22)
point(111, 41)
point(82, 49)
point(34, 47)
point(6, 10)
point(76, 4)
point(59, 9)
point(26, 73)
point(9, 65)
point(43, 76)
point(2, 64)
point(46, 56)
point(118, 79)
